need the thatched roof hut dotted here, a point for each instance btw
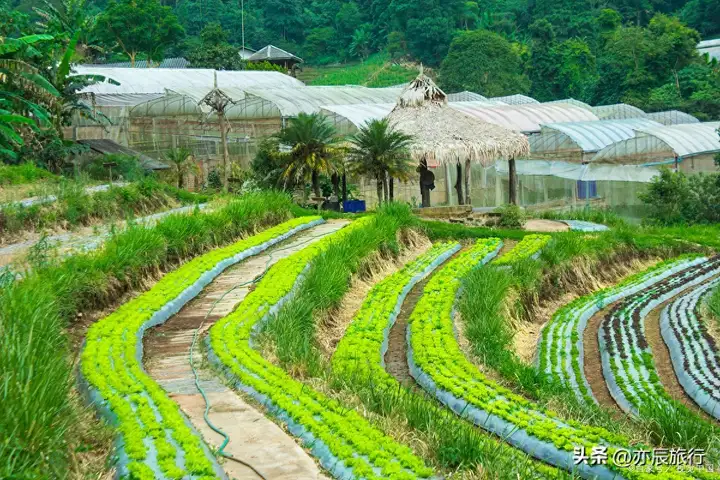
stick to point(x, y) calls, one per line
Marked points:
point(443, 135)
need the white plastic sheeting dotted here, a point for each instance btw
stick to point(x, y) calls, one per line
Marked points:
point(618, 111)
point(151, 80)
point(572, 101)
point(587, 172)
point(524, 118)
point(711, 48)
point(466, 97)
point(515, 100)
point(586, 137)
point(664, 142)
point(672, 117)
point(289, 102)
point(357, 115)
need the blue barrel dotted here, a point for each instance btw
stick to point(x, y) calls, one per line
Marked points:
point(354, 206)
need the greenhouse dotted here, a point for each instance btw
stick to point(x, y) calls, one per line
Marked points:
point(689, 147)
point(466, 97)
point(672, 117)
point(577, 142)
point(514, 100)
point(618, 111)
point(525, 118)
point(572, 101)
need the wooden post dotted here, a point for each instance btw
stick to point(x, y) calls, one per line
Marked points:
point(458, 183)
point(468, 179)
point(513, 181)
point(223, 139)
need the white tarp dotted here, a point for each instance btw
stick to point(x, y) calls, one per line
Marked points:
point(588, 172)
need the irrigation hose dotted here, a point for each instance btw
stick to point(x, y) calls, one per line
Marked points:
point(213, 427)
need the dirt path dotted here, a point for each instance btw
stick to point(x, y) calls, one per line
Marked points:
point(661, 357)
point(396, 355)
point(593, 361)
point(508, 245)
point(254, 438)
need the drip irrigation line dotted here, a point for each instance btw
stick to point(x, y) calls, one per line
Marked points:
point(213, 427)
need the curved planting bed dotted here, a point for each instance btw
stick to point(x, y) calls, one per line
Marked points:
point(156, 441)
point(627, 360)
point(529, 247)
point(561, 351)
point(346, 444)
point(438, 364)
point(693, 351)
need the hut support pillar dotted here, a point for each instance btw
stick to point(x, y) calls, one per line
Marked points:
point(468, 174)
point(458, 183)
point(223, 139)
point(513, 181)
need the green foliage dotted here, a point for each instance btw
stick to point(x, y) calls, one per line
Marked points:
point(214, 50)
point(128, 168)
point(183, 164)
point(37, 413)
point(377, 71)
point(24, 173)
point(511, 216)
point(675, 198)
point(714, 303)
point(139, 27)
point(483, 62)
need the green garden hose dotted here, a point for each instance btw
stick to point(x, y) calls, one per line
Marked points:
point(226, 438)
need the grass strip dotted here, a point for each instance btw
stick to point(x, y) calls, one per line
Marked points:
point(36, 421)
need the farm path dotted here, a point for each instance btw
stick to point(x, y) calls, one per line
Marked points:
point(83, 239)
point(593, 361)
point(254, 438)
point(661, 356)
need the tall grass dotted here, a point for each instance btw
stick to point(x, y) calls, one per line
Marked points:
point(22, 174)
point(36, 418)
point(74, 206)
point(293, 330)
point(605, 216)
point(376, 71)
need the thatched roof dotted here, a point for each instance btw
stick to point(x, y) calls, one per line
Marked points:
point(443, 135)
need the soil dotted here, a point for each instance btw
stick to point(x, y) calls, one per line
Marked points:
point(593, 361)
point(536, 225)
point(254, 438)
point(508, 245)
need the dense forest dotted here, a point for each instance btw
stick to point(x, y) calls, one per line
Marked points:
point(636, 51)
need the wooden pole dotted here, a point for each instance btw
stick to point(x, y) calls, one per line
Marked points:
point(513, 181)
point(468, 179)
point(223, 139)
point(458, 183)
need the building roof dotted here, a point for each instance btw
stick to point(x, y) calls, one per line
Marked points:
point(618, 111)
point(516, 99)
point(672, 117)
point(272, 52)
point(277, 102)
point(524, 118)
point(104, 146)
point(663, 143)
point(174, 62)
point(153, 80)
point(586, 137)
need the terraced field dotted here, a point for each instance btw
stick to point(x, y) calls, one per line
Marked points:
point(186, 373)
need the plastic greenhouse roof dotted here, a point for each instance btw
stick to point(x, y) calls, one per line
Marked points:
point(594, 136)
point(711, 47)
point(618, 111)
point(524, 118)
point(515, 99)
point(151, 80)
point(466, 97)
point(685, 140)
point(359, 115)
point(672, 117)
point(271, 102)
point(572, 101)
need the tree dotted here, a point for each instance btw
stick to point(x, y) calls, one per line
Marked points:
point(313, 149)
point(139, 27)
point(483, 62)
point(360, 45)
point(381, 152)
point(67, 19)
point(702, 15)
point(181, 161)
point(214, 51)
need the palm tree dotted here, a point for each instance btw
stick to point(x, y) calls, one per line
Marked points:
point(181, 161)
point(381, 152)
point(313, 147)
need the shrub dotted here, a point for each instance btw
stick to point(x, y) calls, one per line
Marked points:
point(675, 198)
point(511, 216)
point(26, 172)
point(128, 168)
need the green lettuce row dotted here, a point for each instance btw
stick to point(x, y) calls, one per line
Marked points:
point(438, 364)
point(561, 353)
point(345, 443)
point(149, 422)
point(529, 247)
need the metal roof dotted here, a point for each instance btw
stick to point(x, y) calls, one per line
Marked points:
point(593, 136)
point(466, 97)
point(269, 102)
point(524, 118)
point(271, 52)
point(175, 62)
point(659, 144)
point(672, 117)
point(516, 99)
point(618, 111)
point(572, 101)
point(153, 80)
